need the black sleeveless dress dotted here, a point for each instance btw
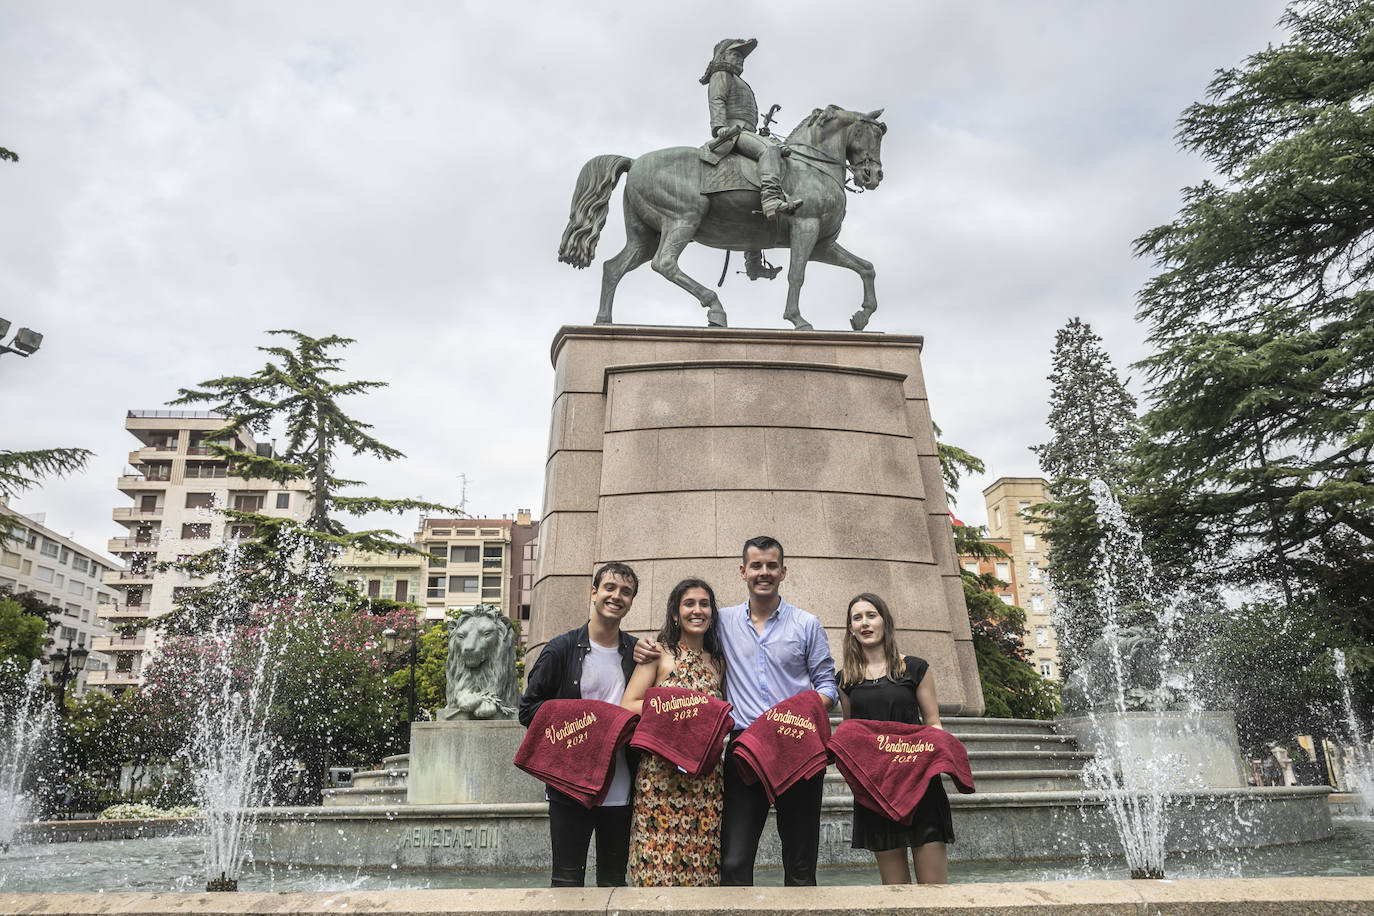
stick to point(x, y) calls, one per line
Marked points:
point(887, 699)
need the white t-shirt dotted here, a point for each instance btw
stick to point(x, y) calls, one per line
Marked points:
point(603, 679)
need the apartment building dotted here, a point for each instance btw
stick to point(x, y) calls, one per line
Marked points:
point(397, 577)
point(1001, 567)
point(1008, 501)
point(61, 572)
point(177, 485)
point(478, 561)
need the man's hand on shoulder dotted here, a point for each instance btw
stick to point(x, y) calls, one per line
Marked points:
point(646, 650)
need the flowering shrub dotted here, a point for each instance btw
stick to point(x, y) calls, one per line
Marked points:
point(140, 811)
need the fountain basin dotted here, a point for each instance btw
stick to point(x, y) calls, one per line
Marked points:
point(990, 826)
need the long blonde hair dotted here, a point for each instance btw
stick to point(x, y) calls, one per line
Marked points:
point(852, 671)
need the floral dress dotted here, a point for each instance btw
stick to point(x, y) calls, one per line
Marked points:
point(675, 837)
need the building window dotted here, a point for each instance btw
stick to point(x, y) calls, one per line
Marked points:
point(196, 532)
point(66, 555)
point(402, 590)
point(240, 532)
point(81, 564)
point(10, 559)
point(200, 470)
point(133, 597)
point(492, 556)
point(32, 540)
point(1038, 603)
point(374, 588)
point(283, 500)
point(50, 549)
point(1034, 571)
point(491, 587)
point(1023, 507)
point(463, 554)
point(971, 566)
point(436, 587)
point(200, 500)
point(76, 587)
point(996, 518)
point(248, 502)
point(1028, 540)
point(68, 633)
point(1042, 636)
point(1003, 570)
point(43, 574)
point(526, 582)
point(1045, 669)
point(124, 663)
point(524, 612)
point(462, 584)
point(527, 552)
point(1006, 599)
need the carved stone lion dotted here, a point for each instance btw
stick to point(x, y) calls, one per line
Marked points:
point(480, 672)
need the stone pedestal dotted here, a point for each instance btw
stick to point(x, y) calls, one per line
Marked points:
point(669, 447)
point(465, 761)
point(1205, 743)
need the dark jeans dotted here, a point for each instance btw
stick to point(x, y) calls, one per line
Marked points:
point(570, 832)
point(746, 810)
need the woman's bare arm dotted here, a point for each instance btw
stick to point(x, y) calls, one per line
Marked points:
point(925, 698)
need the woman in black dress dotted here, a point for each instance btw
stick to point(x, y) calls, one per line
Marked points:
point(877, 682)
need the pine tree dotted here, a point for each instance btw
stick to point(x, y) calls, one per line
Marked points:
point(286, 559)
point(1094, 430)
point(1262, 316)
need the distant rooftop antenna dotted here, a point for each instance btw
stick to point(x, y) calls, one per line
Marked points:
point(463, 495)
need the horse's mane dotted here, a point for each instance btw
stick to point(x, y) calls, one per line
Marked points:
point(819, 117)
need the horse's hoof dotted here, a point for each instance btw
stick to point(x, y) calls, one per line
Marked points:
point(801, 324)
point(715, 318)
point(859, 320)
point(603, 319)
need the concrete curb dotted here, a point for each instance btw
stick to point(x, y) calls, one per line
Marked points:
point(1249, 896)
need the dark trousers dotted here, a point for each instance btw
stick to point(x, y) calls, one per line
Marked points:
point(570, 833)
point(746, 810)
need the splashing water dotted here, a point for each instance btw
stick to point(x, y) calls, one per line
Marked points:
point(1361, 772)
point(231, 756)
point(24, 720)
point(1136, 778)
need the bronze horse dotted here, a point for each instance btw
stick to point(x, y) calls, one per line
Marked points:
point(665, 210)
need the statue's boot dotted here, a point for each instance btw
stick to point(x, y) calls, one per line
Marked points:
point(771, 195)
point(756, 268)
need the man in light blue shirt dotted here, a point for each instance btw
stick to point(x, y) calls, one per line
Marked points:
point(773, 651)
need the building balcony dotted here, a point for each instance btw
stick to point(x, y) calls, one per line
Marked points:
point(124, 545)
point(123, 613)
point(136, 643)
point(112, 678)
point(137, 514)
point(131, 484)
point(127, 577)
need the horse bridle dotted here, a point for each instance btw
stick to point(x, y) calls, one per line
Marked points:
point(794, 149)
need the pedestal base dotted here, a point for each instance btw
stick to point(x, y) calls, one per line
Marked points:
point(467, 761)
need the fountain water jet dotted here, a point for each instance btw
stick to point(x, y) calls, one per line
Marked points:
point(1363, 769)
point(24, 720)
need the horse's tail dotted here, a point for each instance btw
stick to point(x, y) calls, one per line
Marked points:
point(591, 200)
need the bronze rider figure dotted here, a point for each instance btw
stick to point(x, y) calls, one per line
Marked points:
point(734, 110)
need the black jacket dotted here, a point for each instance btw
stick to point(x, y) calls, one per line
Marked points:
point(557, 675)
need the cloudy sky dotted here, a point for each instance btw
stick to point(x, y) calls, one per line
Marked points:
point(193, 174)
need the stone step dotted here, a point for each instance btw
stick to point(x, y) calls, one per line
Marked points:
point(387, 796)
point(1000, 761)
point(401, 761)
point(380, 779)
point(974, 725)
point(1017, 741)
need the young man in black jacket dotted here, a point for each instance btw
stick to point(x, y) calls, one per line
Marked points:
point(592, 662)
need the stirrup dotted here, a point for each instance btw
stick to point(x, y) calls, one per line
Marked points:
point(756, 266)
point(773, 206)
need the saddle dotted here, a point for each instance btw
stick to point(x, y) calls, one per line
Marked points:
point(724, 170)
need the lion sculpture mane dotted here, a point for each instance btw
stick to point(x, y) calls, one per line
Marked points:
point(480, 672)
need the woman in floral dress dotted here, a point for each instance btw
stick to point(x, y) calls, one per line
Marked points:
point(675, 833)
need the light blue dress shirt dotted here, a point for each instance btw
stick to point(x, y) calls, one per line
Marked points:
point(792, 655)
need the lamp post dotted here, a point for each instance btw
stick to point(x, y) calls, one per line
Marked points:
point(25, 341)
point(390, 636)
point(64, 666)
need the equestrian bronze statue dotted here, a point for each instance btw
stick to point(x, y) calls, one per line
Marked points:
point(735, 193)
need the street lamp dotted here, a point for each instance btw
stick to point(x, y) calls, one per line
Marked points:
point(390, 636)
point(64, 666)
point(25, 341)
